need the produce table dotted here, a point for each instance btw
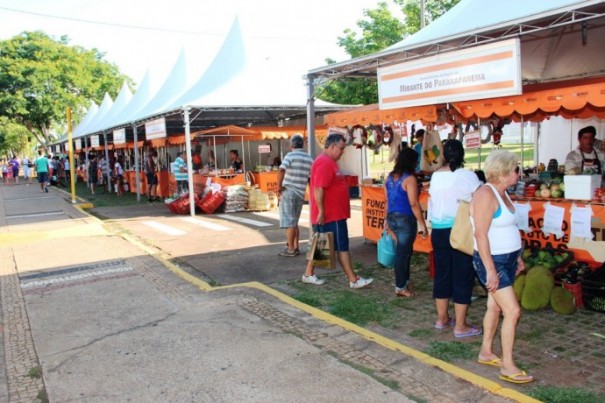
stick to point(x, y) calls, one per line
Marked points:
point(373, 205)
point(199, 181)
point(266, 181)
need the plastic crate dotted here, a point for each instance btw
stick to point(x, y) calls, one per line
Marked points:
point(593, 290)
point(576, 290)
point(573, 284)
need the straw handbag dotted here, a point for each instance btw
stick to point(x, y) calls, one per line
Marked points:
point(461, 237)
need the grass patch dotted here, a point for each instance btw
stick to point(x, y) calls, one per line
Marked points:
point(361, 309)
point(559, 330)
point(558, 394)
point(534, 335)
point(35, 372)
point(310, 298)
point(453, 350)
point(105, 199)
point(420, 333)
point(42, 396)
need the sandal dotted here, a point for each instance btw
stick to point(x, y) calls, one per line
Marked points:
point(519, 377)
point(451, 322)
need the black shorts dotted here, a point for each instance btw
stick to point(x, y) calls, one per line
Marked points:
point(152, 179)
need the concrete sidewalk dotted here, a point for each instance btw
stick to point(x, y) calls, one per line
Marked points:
point(103, 319)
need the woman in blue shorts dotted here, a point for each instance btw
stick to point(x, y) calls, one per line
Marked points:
point(497, 260)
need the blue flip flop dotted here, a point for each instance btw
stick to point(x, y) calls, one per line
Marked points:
point(473, 331)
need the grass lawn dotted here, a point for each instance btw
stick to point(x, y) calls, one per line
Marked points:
point(104, 199)
point(379, 163)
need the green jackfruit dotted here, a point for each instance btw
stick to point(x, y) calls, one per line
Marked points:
point(562, 301)
point(519, 285)
point(539, 282)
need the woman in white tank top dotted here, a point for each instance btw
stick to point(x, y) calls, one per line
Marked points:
point(497, 260)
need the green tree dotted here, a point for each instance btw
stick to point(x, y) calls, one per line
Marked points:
point(40, 77)
point(378, 30)
point(14, 138)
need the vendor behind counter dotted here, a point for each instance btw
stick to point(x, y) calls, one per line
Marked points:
point(587, 158)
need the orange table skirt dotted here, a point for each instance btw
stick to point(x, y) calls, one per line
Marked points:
point(373, 203)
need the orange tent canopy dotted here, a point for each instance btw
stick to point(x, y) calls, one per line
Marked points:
point(577, 98)
point(370, 115)
point(228, 130)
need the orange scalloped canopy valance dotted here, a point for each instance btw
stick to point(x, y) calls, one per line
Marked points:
point(370, 115)
point(579, 98)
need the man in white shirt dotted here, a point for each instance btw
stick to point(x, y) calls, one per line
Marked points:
point(586, 157)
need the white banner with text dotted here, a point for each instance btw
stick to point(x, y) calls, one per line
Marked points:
point(486, 71)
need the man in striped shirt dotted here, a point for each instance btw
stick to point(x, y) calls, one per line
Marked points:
point(292, 179)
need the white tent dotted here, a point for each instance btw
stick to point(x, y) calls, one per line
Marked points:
point(560, 39)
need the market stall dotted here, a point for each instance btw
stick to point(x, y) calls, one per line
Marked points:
point(373, 213)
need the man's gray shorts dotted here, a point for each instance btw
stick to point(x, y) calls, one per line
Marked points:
point(290, 207)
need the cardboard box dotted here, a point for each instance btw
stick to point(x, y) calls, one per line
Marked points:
point(581, 187)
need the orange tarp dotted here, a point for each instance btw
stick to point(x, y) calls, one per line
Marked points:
point(120, 145)
point(260, 133)
point(373, 203)
point(370, 115)
point(578, 98)
point(175, 140)
point(158, 142)
point(131, 145)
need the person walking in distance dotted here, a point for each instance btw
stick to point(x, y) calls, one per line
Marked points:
point(27, 169)
point(292, 179)
point(152, 177)
point(330, 209)
point(42, 169)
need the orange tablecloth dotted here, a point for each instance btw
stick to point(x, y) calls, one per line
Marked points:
point(266, 181)
point(593, 250)
point(130, 178)
point(373, 208)
point(373, 203)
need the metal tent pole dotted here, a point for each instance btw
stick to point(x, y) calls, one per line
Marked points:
point(137, 178)
point(189, 164)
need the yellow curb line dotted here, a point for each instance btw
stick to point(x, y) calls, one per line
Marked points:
point(484, 383)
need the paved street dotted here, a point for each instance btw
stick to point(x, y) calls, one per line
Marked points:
point(93, 312)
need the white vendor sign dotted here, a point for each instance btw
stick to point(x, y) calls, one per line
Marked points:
point(119, 136)
point(94, 141)
point(486, 71)
point(155, 129)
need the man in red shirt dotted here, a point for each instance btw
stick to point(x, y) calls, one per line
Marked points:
point(330, 208)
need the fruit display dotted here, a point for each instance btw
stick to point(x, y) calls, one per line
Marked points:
point(548, 188)
point(539, 283)
point(549, 258)
point(518, 286)
point(562, 301)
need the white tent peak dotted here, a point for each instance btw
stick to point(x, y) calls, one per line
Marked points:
point(141, 97)
point(229, 62)
point(118, 106)
point(90, 113)
point(175, 85)
point(103, 109)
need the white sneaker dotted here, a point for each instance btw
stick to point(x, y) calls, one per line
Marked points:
point(312, 280)
point(361, 282)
